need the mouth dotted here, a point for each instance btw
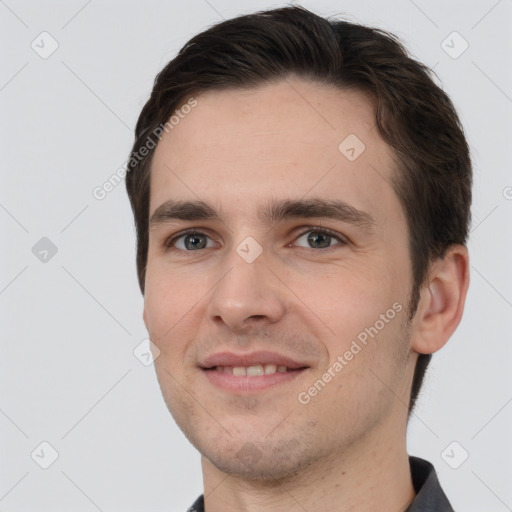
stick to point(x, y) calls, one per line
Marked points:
point(242, 373)
point(254, 370)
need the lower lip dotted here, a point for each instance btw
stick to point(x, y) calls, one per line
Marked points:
point(250, 383)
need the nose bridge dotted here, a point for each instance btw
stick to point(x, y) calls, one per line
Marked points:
point(248, 290)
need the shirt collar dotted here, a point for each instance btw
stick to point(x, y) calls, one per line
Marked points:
point(429, 495)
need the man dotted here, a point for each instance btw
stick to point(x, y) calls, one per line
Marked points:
point(301, 191)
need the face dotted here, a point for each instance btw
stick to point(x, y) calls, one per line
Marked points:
point(278, 278)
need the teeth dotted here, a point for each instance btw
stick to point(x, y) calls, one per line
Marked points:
point(270, 368)
point(255, 370)
point(252, 371)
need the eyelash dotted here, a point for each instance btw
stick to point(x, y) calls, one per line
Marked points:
point(323, 231)
point(169, 243)
point(173, 239)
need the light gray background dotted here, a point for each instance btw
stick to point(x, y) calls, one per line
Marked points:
point(68, 375)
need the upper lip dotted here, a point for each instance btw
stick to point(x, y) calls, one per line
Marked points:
point(250, 359)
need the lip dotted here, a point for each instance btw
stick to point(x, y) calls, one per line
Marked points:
point(260, 357)
point(248, 384)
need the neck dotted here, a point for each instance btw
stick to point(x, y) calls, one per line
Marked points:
point(372, 474)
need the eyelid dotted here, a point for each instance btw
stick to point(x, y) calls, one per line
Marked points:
point(343, 240)
point(171, 240)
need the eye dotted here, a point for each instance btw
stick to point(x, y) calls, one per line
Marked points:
point(318, 239)
point(191, 241)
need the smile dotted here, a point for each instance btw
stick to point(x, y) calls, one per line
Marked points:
point(253, 370)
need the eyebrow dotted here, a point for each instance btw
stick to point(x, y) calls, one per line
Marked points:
point(273, 212)
point(182, 210)
point(276, 211)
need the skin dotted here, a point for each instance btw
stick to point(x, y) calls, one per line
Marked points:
point(346, 448)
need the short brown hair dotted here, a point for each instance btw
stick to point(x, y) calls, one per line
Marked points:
point(413, 115)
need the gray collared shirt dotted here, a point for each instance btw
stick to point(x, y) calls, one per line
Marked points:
point(429, 495)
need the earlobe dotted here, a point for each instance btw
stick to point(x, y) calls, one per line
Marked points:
point(442, 300)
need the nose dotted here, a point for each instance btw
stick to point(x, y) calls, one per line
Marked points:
point(250, 294)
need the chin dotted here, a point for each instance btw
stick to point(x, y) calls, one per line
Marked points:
point(267, 468)
point(267, 461)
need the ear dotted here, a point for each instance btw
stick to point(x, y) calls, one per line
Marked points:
point(442, 300)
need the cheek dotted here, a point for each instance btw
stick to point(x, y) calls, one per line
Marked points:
point(361, 309)
point(367, 362)
point(169, 300)
point(348, 297)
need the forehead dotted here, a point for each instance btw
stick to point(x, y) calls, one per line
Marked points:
point(236, 148)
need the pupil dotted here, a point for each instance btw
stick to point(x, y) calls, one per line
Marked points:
point(195, 242)
point(319, 240)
